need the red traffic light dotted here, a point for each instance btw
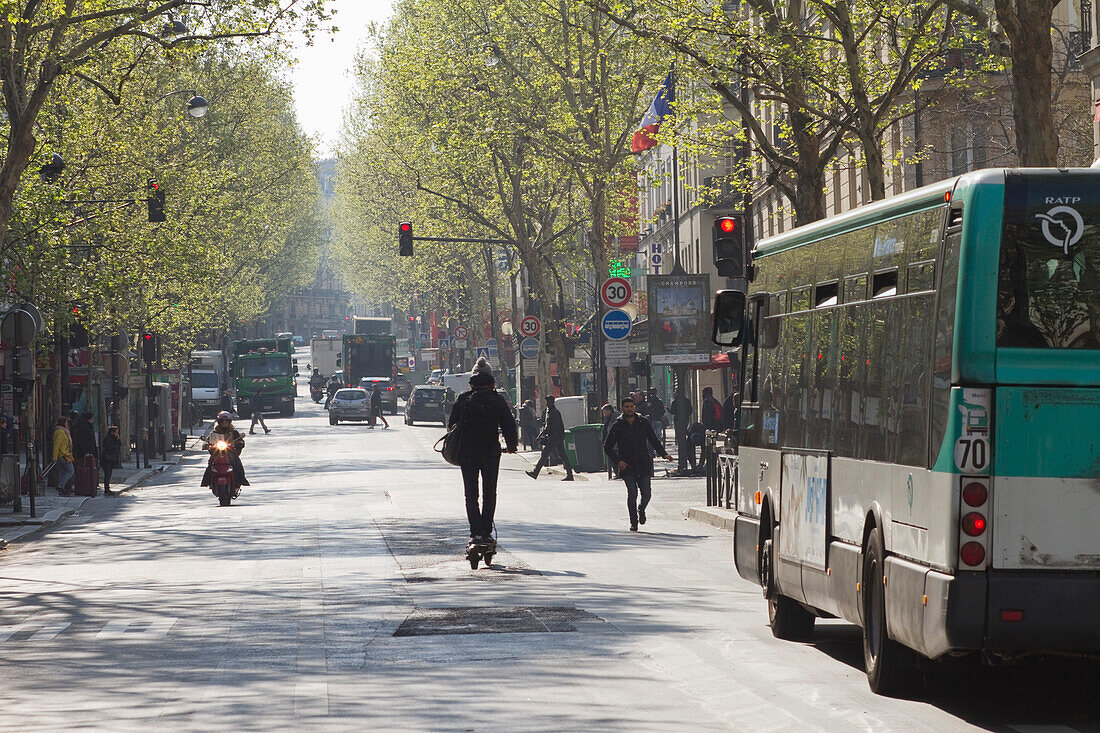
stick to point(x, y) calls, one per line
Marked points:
point(406, 226)
point(147, 336)
point(727, 224)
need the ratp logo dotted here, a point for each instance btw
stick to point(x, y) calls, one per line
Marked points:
point(1062, 227)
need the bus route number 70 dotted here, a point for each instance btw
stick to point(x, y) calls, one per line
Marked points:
point(972, 454)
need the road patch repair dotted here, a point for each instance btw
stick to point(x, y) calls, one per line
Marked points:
point(516, 620)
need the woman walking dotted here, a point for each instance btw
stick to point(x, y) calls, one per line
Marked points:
point(110, 457)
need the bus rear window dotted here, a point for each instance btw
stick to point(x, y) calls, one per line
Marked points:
point(1048, 293)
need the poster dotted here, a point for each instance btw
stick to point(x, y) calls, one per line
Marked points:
point(679, 319)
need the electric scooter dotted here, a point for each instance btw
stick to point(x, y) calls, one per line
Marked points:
point(481, 551)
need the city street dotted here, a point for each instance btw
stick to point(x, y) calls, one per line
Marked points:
point(334, 595)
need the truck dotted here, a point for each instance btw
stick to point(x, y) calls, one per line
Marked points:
point(362, 325)
point(326, 355)
point(255, 364)
point(369, 355)
point(212, 360)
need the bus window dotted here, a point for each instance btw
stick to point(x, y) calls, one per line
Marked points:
point(885, 284)
point(825, 295)
point(855, 288)
point(922, 276)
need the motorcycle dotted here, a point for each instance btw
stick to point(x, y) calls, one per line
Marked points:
point(317, 394)
point(224, 481)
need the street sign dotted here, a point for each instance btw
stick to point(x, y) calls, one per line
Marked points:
point(530, 326)
point(615, 325)
point(460, 343)
point(491, 345)
point(529, 348)
point(461, 332)
point(482, 351)
point(444, 344)
point(615, 292)
point(412, 362)
point(616, 353)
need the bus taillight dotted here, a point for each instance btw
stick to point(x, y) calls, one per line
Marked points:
point(974, 522)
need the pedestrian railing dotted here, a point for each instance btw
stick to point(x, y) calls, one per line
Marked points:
point(720, 460)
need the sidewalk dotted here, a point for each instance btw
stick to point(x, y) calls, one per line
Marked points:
point(52, 508)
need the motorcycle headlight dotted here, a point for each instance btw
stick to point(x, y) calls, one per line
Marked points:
point(221, 445)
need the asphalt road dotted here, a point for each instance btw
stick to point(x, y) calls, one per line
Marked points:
point(334, 595)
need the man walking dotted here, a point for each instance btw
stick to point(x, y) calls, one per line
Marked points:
point(376, 407)
point(528, 421)
point(481, 412)
point(258, 412)
point(627, 445)
point(226, 404)
point(682, 411)
point(553, 439)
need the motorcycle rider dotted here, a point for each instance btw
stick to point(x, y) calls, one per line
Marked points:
point(316, 381)
point(223, 430)
point(331, 388)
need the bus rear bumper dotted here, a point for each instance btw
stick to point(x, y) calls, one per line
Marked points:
point(1013, 613)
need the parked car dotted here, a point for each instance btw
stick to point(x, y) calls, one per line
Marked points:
point(389, 394)
point(436, 376)
point(404, 386)
point(425, 403)
point(349, 404)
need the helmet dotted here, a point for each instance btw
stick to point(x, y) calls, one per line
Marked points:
point(223, 415)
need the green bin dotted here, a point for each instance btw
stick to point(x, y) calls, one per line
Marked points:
point(584, 446)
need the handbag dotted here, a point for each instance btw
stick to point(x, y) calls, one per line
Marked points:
point(452, 441)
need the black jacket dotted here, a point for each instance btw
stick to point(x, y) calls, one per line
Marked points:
point(112, 450)
point(682, 411)
point(729, 414)
point(656, 409)
point(376, 400)
point(710, 414)
point(226, 403)
point(84, 440)
point(527, 417)
point(630, 442)
point(553, 429)
point(484, 412)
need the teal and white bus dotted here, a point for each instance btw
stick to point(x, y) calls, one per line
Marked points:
point(920, 421)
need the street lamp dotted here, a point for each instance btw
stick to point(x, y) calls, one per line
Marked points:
point(197, 106)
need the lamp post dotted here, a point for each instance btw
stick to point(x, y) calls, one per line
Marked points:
point(197, 105)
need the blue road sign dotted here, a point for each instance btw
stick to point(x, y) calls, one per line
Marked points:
point(529, 348)
point(615, 324)
point(491, 345)
point(482, 351)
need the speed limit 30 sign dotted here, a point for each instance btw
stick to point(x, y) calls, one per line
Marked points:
point(530, 326)
point(615, 292)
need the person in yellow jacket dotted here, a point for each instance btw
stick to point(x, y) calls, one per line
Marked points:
point(63, 455)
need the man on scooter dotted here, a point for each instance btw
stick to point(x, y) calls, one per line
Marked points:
point(316, 382)
point(224, 430)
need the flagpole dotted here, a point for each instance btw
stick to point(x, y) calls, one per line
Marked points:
point(677, 266)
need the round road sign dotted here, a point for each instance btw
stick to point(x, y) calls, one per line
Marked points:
point(615, 292)
point(530, 326)
point(461, 332)
point(529, 348)
point(615, 325)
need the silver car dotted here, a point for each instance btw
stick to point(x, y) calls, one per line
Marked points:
point(349, 404)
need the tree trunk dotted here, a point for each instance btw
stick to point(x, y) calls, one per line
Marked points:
point(809, 174)
point(1027, 24)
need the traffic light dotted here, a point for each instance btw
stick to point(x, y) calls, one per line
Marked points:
point(155, 200)
point(729, 246)
point(405, 238)
point(148, 347)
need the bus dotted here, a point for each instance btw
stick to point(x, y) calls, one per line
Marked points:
point(920, 421)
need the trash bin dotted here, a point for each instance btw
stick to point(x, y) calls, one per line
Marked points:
point(85, 477)
point(584, 444)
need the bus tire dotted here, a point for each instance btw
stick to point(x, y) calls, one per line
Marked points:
point(889, 665)
point(786, 616)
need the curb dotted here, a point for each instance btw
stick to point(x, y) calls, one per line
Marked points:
point(720, 518)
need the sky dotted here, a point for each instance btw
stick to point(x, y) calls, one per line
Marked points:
point(323, 80)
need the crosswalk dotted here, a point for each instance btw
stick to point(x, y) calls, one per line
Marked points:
point(142, 628)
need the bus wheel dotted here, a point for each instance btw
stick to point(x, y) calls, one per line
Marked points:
point(886, 661)
point(786, 616)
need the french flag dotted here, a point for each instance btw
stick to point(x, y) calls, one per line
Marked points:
point(660, 109)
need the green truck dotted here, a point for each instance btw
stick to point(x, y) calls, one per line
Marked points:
point(264, 363)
